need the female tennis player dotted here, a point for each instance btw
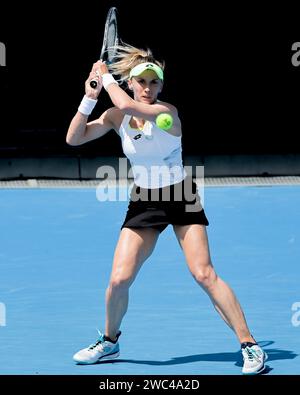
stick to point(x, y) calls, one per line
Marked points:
point(154, 202)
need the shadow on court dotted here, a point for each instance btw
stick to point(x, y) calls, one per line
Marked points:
point(273, 355)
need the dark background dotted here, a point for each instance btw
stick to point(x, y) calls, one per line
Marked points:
point(228, 71)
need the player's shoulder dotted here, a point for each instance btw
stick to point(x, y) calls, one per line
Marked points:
point(115, 115)
point(114, 112)
point(170, 106)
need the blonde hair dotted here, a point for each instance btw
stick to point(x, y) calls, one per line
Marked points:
point(127, 57)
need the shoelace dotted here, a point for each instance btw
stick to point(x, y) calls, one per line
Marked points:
point(98, 342)
point(251, 354)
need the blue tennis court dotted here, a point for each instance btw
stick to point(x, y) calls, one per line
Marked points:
point(56, 252)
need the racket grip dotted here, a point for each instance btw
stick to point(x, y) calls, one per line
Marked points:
point(93, 83)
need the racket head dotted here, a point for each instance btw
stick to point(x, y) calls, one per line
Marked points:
point(110, 40)
point(110, 37)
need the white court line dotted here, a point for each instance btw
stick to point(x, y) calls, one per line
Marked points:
point(2, 314)
point(208, 182)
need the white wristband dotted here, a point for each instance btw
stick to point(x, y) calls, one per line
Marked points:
point(87, 105)
point(108, 79)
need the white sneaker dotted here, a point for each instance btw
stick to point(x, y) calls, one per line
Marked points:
point(102, 349)
point(254, 359)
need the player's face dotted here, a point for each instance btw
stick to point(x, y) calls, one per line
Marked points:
point(146, 87)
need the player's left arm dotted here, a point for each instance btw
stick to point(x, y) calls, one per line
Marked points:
point(137, 109)
point(145, 111)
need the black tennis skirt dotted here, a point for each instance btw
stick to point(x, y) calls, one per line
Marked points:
point(177, 204)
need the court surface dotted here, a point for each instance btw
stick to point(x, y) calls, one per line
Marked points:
point(56, 251)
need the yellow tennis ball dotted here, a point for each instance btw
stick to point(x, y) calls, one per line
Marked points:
point(164, 121)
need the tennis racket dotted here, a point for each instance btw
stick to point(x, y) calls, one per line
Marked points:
point(110, 40)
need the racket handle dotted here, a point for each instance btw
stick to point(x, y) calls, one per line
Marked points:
point(93, 83)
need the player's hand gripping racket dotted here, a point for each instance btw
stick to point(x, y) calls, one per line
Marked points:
point(110, 40)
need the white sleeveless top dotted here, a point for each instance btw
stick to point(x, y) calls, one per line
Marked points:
point(154, 155)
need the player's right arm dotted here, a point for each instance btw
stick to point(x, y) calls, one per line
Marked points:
point(80, 130)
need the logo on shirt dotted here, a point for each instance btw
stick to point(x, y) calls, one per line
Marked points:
point(138, 136)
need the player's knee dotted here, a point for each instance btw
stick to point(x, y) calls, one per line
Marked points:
point(120, 283)
point(205, 276)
